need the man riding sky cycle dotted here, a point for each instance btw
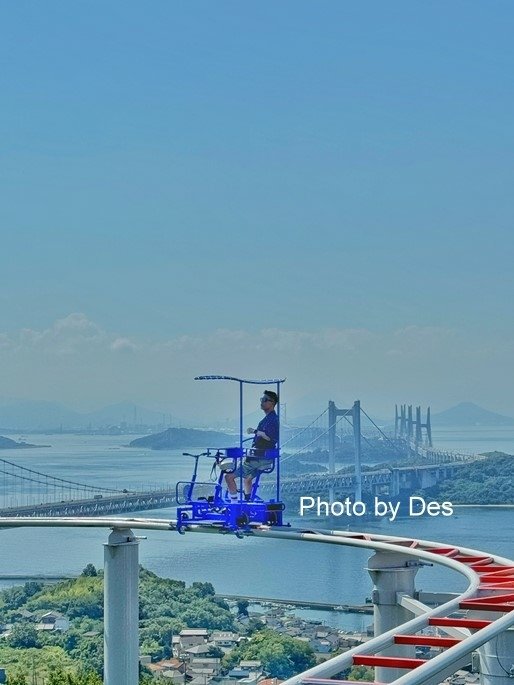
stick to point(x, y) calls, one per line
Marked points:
point(265, 438)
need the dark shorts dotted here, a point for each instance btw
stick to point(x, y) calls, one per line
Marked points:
point(250, 468)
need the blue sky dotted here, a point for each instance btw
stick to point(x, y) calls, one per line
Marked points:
point(177, 175)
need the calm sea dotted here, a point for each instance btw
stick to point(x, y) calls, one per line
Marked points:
point(475, 439)
point(258, 567)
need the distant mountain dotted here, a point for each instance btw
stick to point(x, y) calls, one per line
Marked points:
point(469, 414)
point(128, 412)
point(35, 415)
point(185, 438)
point(26, 415)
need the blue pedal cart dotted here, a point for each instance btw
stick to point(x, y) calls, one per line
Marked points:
point(202, 501)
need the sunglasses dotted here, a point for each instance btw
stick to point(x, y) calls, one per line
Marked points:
point(266, 399)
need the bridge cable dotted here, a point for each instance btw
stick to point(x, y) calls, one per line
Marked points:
point(362, 436)
point(289, 456)
point(296, 435)
point(55, 478)
point(41, 482)
point(379, 429)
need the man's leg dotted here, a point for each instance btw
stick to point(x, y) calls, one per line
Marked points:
point(230, 479)
point(248, 486)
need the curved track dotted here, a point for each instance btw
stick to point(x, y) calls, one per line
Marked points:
point(488, 601)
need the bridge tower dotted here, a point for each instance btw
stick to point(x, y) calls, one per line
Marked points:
point(418, 438)
point(428, 427)
point(403, 421)
point(419, 428)
point(355, 414)
point(406, 427)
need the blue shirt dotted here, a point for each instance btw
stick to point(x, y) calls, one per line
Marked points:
point(269, 425)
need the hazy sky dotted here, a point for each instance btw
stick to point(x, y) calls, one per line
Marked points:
point(320, 190)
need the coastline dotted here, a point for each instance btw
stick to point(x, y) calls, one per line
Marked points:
point(483, 506)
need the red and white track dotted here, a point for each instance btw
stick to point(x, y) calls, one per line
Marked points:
point(485, 610)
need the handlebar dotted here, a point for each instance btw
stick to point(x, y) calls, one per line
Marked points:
point(195, 456)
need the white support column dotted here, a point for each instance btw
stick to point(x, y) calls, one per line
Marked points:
point(392, 573)
point(121, 608)
point(497, 659)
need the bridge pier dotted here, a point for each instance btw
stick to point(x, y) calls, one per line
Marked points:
point(121, 608)
point(394, 487)
point(392, 574)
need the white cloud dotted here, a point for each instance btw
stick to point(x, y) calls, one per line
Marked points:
point(123, 345)
point(64, 336)
point(75, 358)
point(5, 342)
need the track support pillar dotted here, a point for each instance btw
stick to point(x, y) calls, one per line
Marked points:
point(497, 660)
point(121, 608)
point(392, 574)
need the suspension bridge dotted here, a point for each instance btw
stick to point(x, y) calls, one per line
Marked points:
point(334, 438)
point(27, 492)
point(338, 431)
point(479, 620)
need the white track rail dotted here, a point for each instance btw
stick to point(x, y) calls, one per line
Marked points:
point(433, 670)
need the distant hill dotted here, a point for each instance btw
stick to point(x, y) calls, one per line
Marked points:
point(185, 438)
point(25, 415)
point(115, 414)
point(469, 414)
point(8, 444)
point(488, 481)
point(35, 415)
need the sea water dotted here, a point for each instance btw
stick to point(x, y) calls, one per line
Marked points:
point(254, 567)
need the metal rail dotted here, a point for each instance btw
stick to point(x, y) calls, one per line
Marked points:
point(420, 550)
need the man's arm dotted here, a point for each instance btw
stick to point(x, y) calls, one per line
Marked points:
point(271, 430)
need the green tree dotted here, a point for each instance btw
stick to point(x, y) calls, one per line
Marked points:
point(254, 625)
point(89, 653)
point(90, 678)
point(152, 648)
point(14, 597)
point(16, 680)
point(362, 673)
point(23, 636)
point(32, 588)
point(281, 656)
point(219, 601)
point(166, 607)
point(89, 571)
point(146, 679)
point(215, 652)
point(242, 607)
point(57, 677)
point(203, 589)
point(61, 677)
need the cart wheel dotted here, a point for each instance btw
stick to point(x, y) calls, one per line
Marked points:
point(180, 527)
point(242, 520)
point(272, 519)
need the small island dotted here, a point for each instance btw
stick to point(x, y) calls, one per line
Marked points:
point(9, 444)
point(484, 482)
point(185, 438)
